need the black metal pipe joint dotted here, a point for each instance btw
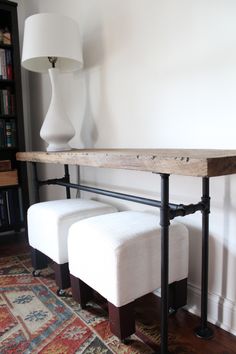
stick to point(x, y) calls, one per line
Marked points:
point(183, 210)
point(52, 181)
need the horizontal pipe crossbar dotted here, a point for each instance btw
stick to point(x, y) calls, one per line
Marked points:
point(128, 197)
point(174, 209)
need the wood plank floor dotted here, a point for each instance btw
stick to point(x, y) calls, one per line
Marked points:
point(181, 330)
point(181, 325)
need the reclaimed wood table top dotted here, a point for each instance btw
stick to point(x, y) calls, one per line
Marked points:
point(187, 162)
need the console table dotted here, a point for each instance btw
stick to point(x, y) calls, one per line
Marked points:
point(198, 163)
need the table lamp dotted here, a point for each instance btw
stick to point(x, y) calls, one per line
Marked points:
point(52, 43)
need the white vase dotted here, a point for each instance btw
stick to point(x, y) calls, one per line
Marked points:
point(57, 129)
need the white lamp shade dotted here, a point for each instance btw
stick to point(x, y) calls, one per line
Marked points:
point(51, 35)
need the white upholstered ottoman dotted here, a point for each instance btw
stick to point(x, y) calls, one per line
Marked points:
point(119, 256)
point(48, 225)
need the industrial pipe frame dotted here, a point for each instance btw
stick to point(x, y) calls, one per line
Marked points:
point(168, 211)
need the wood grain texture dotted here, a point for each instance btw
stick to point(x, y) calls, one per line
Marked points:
point(196, 162)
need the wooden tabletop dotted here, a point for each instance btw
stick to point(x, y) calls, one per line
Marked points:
point(196, 162)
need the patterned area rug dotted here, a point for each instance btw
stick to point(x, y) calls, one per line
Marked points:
point(33, 319)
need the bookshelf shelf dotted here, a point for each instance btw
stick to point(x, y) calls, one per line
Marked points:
point(6, 116)
point(6, 46)
point(7, 82)
point(13, 180)
point(11, 149)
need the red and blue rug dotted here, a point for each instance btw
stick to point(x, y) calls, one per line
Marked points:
point(33, 319)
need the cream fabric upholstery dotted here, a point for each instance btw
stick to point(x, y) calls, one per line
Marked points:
point(119, 255)
point(48, 224)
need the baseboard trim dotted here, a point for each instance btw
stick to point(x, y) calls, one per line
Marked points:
point(221, 311)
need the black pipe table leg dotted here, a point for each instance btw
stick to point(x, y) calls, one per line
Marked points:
point(35, 183)
point(164, 223)
point(67, 179)
point(203, 331)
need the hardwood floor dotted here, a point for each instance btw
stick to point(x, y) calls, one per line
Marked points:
point(181, 325)
point(12, 244)
point(181, 330)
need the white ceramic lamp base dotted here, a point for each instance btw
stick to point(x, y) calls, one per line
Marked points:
point(57, 129)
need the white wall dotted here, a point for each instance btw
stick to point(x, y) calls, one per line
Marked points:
point(157, 73)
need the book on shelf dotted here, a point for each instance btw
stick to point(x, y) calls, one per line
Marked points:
point(3, 69)
point(8, 133)
point(2, 133)
point(6, 72)
point(7, 102)
point(8, 64)
point(8, 130)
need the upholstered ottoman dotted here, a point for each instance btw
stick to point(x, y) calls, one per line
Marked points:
point(48, 225)
point(119, 256)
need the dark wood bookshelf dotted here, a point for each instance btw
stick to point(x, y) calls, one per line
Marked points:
point(6, 81)
point(6, 46)
point(14, 198)
point(6, 116)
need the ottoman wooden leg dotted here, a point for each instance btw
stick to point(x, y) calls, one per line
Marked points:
point(39, 260)
point(178, 294)
point(81, 292)
point(62, 275)
point(122, 321)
